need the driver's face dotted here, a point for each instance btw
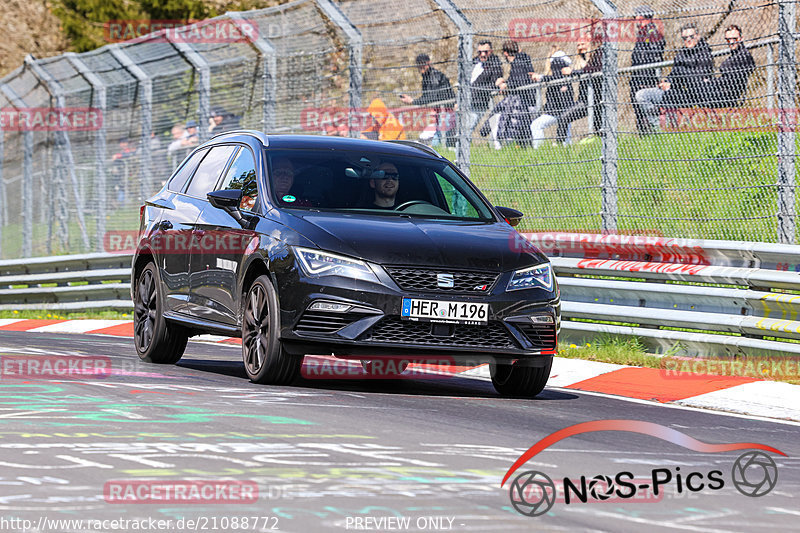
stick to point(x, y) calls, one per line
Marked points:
point(283, 176)
point(388, 186)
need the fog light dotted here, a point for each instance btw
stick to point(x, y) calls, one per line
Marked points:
point(542, 319)
point(330, 306)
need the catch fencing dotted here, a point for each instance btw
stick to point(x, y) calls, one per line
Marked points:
point(317, 66)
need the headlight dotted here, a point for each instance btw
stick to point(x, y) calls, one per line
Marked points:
point(535, 276)
point(316, 264)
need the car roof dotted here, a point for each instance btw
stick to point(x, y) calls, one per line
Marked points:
point(322, 142)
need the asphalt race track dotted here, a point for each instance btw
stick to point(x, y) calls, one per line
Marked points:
point(358, 455)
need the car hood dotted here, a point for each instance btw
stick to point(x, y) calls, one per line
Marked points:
point(390, 240)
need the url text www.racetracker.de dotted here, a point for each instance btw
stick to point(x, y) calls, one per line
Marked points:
point(46, 524)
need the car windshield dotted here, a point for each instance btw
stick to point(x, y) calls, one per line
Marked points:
point(379, 183)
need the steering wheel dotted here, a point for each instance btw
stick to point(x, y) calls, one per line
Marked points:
point(410, 203)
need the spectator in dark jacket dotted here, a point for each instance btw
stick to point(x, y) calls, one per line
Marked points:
point(649, 49)
point(687, 82)
point(590, 60)
point(558, 97)
point(435, 88)
point(520, 75)
point(486, 69)
point(728, 89)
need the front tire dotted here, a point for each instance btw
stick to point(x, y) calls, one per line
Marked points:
point(156, 340)
point(520, 381)
point(265, 359)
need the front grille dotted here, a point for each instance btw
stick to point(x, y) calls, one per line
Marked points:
point(396, 331)
point(541, 336)
point(324, 322)
point(425, 279)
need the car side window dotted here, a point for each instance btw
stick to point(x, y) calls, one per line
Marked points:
point(242, 175)
point(207, 174)
point(456, 203)
point(178, 181)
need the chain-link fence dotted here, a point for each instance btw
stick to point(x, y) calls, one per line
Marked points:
point(580, 133)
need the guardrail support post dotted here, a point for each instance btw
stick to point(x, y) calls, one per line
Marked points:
point(3, 203)
point(610, 115)
point(27, 176)
point(145, 170)
point(355, 49)
point(787, 85)
point(99, 100)
point(464, 96)
point(269, 71)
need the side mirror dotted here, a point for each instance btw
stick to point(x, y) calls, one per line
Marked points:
point(228, 200)
point(512, 216)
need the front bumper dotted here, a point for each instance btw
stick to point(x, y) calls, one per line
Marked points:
point(372, 326)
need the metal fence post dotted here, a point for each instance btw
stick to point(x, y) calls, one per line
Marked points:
point(3, 203)
point(203, 84)
point(99, 100)
point(63, 142)
point(787, 85)
point(355, 49)
point(27, 176)
point(464, 96)
point(610, 115)
point(145, 170)
point(269, 68)
point(770, 76)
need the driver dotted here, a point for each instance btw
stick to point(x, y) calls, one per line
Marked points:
point(386, 188)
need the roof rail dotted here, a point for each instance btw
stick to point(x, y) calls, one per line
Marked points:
point(419, 146)
point(260, 135)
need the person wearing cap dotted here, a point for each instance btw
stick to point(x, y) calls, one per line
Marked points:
point(558, 97)
point(648, 49)
point(192, 136)
point(436, 88)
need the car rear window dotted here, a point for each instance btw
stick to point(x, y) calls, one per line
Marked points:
point(178, 180)
point(209, 170)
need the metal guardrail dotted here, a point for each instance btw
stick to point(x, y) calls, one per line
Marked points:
point(681, 296)
point(66, 283)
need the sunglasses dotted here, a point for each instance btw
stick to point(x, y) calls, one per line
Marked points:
point(481, 52)
point(391, 176)
point(732, 39)
point(689, 37)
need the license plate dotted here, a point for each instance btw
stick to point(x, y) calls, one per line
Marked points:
point(441, 311)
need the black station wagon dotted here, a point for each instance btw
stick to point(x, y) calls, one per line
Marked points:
point(362, 249)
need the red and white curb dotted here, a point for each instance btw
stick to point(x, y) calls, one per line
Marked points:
point(742, 395)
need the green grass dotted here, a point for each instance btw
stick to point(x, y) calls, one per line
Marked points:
point(631, 351)
point(713, 185)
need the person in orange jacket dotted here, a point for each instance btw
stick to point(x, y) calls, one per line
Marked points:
point(385, 126)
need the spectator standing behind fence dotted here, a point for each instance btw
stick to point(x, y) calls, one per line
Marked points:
point(511, 118)
point(687, 82)
point(558, 97)
point(435, 88)
point(728, 89)
point(486, 69)
point(589, 61)
point(649, 49)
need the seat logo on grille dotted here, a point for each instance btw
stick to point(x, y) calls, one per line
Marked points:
point(445, 281)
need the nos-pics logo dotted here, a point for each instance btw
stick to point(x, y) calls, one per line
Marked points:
point(533, 493)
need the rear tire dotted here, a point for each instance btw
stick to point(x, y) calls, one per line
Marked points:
point(156, 340)
point(265, 359)
point(520, 381)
